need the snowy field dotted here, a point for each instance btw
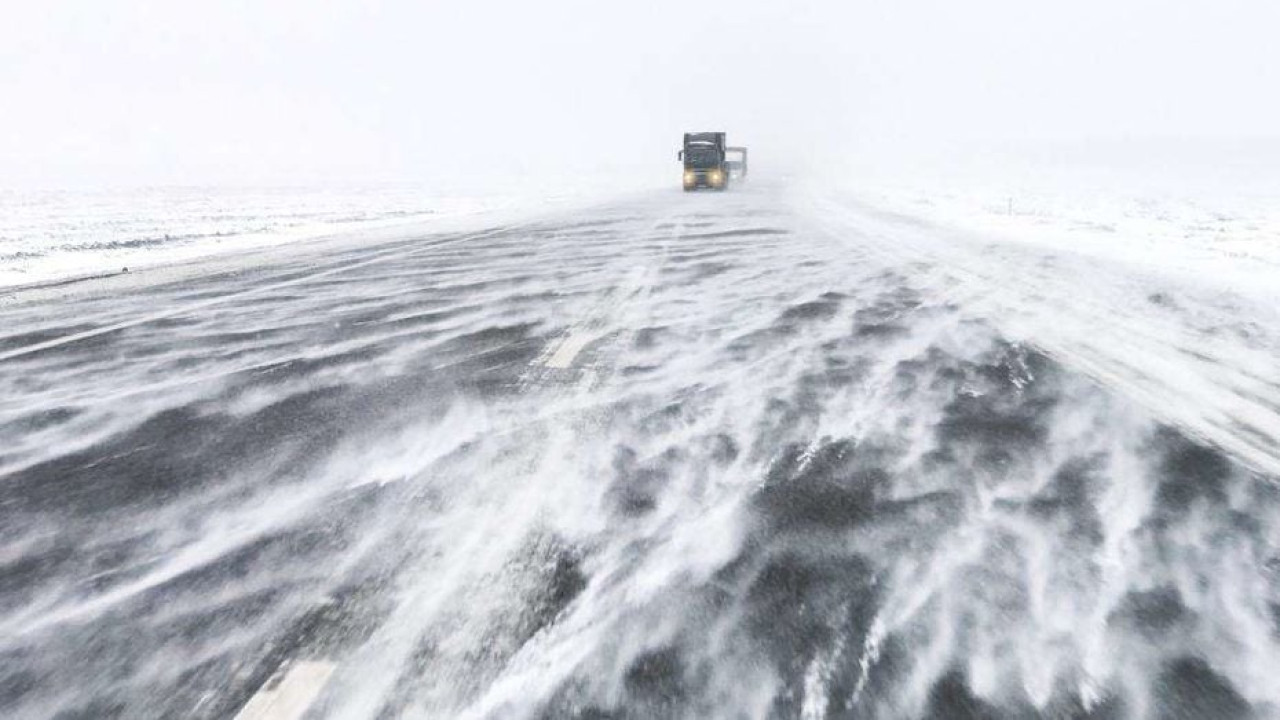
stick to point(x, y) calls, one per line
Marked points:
point(53, 235)
point(772, 453)
point(1223, 238)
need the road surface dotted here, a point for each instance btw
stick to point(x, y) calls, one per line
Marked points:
point(755, 454)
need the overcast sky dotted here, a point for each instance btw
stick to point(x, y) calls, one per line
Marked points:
point(301, 90)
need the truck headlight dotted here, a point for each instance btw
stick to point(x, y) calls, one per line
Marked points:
point(689, 177)
point(715, 177)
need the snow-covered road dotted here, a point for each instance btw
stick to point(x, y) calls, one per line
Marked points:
point(766, 453)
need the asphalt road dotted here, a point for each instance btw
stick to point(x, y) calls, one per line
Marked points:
point(706, 455)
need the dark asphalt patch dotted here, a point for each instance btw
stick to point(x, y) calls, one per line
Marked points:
point(1189, 688)
point(825, 487)
point(1154, 614)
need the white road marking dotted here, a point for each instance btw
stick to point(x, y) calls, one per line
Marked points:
point(258, 290)
point(289, 697)
point(569, 349)
point(638, 281)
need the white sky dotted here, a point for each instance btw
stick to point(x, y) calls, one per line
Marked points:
point(302, 90)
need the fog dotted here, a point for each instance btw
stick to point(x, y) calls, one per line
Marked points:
point(350, 90)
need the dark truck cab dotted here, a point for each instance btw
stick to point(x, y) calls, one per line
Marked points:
point(704, 161)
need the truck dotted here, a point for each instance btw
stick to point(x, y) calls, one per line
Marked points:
point(707, 161)
point(736, 163)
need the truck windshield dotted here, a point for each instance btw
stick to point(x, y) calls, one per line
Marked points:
point(701, 157)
